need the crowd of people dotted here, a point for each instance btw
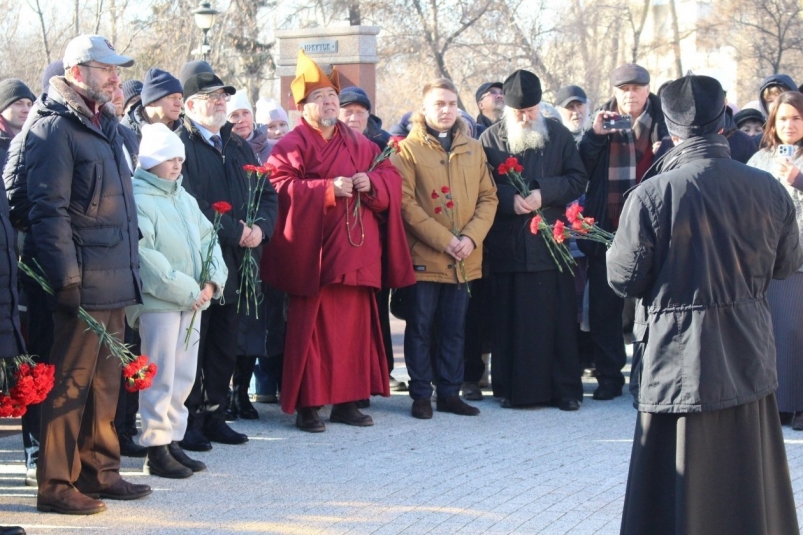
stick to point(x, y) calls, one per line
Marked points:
point(114, 189)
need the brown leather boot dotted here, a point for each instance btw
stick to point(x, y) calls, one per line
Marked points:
point(349, 414)
point(307, 419)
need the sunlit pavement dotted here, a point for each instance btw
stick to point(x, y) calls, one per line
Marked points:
point(506, 471)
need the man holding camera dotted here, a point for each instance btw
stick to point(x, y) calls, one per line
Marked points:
point(616, 152)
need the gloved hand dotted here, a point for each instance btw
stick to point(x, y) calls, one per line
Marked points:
point(68, 299)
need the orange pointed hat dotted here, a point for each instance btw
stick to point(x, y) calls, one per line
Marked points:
point(310, 77)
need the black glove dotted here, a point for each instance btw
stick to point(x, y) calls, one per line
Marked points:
point(68, 300)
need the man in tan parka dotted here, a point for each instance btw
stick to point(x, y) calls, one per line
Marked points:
point(448, 205)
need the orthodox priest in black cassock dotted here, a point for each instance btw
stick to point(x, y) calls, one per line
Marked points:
point(534, 310)
point(698, 244)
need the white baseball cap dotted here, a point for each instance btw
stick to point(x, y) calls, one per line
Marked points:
point(93, 48)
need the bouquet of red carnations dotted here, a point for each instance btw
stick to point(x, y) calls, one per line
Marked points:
point(118, 348)
point(250, 289)
point(447, 207)
point(560, 253)
point(23, 383)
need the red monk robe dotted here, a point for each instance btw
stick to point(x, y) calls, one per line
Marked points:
point(334, 350)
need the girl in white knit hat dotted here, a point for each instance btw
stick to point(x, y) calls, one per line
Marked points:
point(175, 237)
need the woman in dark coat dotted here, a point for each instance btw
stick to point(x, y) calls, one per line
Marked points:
point(785, 126)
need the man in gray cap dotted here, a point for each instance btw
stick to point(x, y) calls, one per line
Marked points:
point(572, 104)
point(615, 160)
point(83, 234)
point(535, 354)
point(490, 102)
point(698, 245)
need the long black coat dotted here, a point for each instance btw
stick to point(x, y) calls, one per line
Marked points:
point(557, 171)
point(596, 155)
point(210, 176)
point(11, 342)
point(83, 217)
point(698, 245)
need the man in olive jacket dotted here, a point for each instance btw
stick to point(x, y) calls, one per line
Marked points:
point(84, 228)
point(448, 205)
point(698, 245)
point(213, 171)
point(534, 309)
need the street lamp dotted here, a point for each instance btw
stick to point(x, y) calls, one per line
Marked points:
point(204, 19)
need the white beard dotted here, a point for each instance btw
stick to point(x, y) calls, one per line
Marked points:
point(522, 136)
point(215, 122)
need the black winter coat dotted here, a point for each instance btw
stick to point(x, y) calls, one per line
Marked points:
point(15, 176)
point(210, 176)
point(557, 171)
point(595, 153)
point(5, 142)
point(11, 341)
point(83, 218)
point(698, 245)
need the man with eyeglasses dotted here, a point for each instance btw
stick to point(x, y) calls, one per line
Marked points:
point(161, 101)
point(84, 236)
point(491, 102)
point(213, 171)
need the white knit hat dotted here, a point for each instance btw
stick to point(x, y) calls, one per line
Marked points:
point(239, 102)
point(268, 110)
point(158, 145)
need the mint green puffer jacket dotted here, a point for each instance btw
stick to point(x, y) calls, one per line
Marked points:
point(174, 237)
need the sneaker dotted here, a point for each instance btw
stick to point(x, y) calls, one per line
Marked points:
point(30, 478)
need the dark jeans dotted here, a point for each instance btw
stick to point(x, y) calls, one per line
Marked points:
point(217, 355)
point(125, 421)
point(605, 322)
point(446, 305)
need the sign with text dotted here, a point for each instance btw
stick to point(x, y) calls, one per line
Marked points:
point(328, 46)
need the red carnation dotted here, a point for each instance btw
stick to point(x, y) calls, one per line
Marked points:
point(221, 207)
point(534, 224)
point(435, 194)
point(266, 170)
point(438, 209)
point(573, 212)
point(449, 205)
point(518, 168)
point(394, 143)
point(139, 374)
point(588, 220)
point(503, 169)
point(512, 162)
point(445, 189)
point(557, 231)
point(248, 168)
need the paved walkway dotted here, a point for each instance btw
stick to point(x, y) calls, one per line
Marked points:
point(539, 471)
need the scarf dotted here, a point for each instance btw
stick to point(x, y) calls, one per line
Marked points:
point(626, 151)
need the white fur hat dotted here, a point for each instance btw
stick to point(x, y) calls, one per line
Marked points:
point(268, 110)
point(158, 145)
point(238, 102)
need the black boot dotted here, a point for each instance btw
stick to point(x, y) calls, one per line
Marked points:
point(230, 411)
point(179, 455)
point(243, 370)
point(160, 463)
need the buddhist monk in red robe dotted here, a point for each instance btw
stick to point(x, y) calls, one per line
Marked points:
point(330, 255)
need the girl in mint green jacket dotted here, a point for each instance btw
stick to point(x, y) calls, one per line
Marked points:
point(174, 238)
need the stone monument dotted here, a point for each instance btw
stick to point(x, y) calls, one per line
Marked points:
point(352, 49)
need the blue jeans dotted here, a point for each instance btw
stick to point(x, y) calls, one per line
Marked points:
point(446, 304)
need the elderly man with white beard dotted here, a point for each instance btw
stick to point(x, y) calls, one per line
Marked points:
point(534, 310)
point(572, 104)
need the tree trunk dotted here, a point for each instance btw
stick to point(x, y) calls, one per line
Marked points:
point(41, 16)
point(355, 18)
point(676, 39)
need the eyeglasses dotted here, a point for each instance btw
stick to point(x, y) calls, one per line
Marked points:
point(107, 70)
point(214, 97)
